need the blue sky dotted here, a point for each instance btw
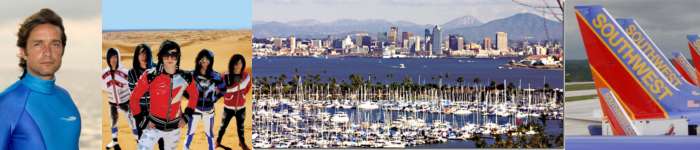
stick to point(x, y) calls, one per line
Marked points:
point(176, 14)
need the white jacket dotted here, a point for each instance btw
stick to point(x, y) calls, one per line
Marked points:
point(116, 84)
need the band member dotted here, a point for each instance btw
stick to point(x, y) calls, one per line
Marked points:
point(166, 85)
point(141, 62)
point(208, 84)
point(35, 113)
point(115, 84)
point(238, 83)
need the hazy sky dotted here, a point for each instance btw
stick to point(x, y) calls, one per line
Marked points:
point(177, 14)
point(80, 17)
point(417, 11)
point(667, 22)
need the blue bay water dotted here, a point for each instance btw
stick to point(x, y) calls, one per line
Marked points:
point(428, 70)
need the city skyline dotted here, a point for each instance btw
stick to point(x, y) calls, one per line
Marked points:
point(521, 26)
point(389, 45)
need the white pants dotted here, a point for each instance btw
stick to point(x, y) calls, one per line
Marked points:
point(208, 120)
point(124, 108)
point(150, 138)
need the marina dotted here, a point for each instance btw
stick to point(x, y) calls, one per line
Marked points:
point(304, 113)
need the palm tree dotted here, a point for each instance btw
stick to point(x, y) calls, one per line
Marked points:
point(497, 142)
point(281, 82)
point(407, 81)
point(478, 141)
point(522, 142)
point(460, 80)
point(509, 141)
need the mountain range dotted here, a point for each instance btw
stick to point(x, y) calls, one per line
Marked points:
point(519, 26)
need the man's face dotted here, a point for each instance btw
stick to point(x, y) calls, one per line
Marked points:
point(113, 62)
point(170, 63)
point(44, 51)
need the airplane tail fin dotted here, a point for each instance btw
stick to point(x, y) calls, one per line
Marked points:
point(683, 66)
point(693, 44)
point(653, 52)
point(616, 116)
point(630, 74)
point(644, 89)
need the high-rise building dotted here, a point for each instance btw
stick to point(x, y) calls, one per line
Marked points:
point(358, 40)
point(347, 43)
point(292, 43)
point(460, 43)
point(328, 42)
point(405, 36)
point(392, 35)
point(366, 41)
point(416, 44)
point(502, 41)
point(426, 39)
point(437, 41)
point(487, 43)
point(337, 44)
point(452, 40)
point(277, 42)
point(382, 38)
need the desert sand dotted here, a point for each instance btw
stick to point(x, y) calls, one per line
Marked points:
point(224, 44)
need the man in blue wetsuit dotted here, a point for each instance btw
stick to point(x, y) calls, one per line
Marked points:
point(35, 112)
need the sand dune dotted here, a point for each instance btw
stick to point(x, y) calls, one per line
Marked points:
point(224, 44)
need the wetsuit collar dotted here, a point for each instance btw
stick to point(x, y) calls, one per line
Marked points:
point(37, 84)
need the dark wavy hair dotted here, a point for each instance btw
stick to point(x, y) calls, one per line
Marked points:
point(234, 59)
point(139, 50)
point(204, 53)
point(112, 52)
point(164, 48)
point(44, 16)
point(231, 63)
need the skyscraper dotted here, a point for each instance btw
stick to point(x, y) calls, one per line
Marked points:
point(426, 38)
point(366, 41)
point(382, 39)
point(460, 42)
point(416, 46)
point(502, 41)
point(437, 41)
point(292, 43)
point(358, 40)
point(392, 35)
point(487, 43)
point(277, 42)
point(452, 40)
point(347, 43)
point(404, 38)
